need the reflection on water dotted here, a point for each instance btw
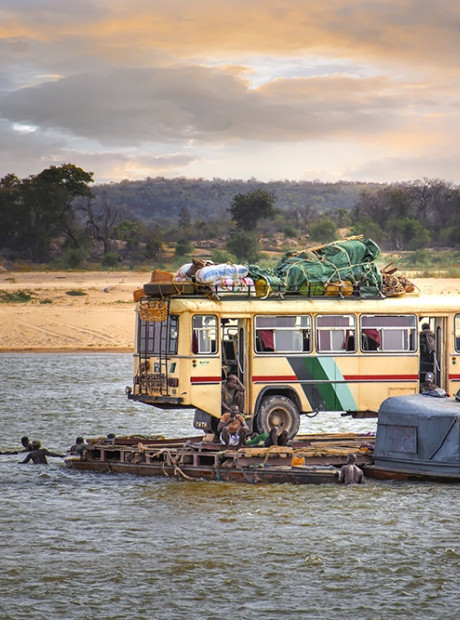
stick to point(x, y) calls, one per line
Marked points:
point(82, 545)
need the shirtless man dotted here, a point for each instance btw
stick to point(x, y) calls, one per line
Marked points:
point(26, 447)
point(350, 473)
point(38, 454)
point(232, 393)
point(233, 428)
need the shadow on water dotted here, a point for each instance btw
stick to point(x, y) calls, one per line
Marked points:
point(83, 545)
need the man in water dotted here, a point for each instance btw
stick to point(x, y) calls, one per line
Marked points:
point(26, 444)
point(232, 428)
point(350, 473)
point(38, 454)
point(26, 447)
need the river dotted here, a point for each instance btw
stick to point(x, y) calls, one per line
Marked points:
point(84, 545)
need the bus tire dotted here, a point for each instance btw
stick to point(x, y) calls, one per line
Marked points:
point(278, 411)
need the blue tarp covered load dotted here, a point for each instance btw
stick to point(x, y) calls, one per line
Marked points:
point(344, 265)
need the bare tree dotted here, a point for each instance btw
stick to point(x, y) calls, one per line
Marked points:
point(100, 219)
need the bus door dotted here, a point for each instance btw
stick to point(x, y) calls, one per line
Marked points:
point(432, 350)
point(440, 353)
point(205, 371)
point(234, 351)
point(454, 359)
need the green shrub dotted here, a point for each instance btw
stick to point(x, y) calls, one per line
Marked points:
point(16, 297)
point(110, 260)
point(183, 247)
point(290, 231)
point(323, 230)
point(75, 293)
point(222, 256)
point(244, 245)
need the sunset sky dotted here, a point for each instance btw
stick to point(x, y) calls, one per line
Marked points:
point(292, 89)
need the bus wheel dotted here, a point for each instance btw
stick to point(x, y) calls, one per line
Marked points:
point(278, 411)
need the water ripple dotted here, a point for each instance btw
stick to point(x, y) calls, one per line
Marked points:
point(83, 545)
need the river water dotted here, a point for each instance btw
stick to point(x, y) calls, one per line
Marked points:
point(84, 545)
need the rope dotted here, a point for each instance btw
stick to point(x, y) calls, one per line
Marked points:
point(177, 469)
point(245, 476)
point(269, 450)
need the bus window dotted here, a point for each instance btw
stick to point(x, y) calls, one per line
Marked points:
point(386, 333)
point(335, 333)
point(204, 334)
point(457, 332)
point(283, 334)
point(154, 335)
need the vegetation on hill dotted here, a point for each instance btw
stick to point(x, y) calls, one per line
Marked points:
point(59, 218)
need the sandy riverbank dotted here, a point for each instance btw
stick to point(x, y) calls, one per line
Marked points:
point(101, 319)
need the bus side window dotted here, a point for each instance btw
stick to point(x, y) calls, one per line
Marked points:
point(335, 333)
point(204, 334)
point(282, 333)
point(388, 333)
point(457, 332)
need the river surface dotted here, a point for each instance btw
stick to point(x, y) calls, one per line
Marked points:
point(84, 545)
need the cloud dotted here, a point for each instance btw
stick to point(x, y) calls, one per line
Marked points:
point(195, 86)
point(128, 106)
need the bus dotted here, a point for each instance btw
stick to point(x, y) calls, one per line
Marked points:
point(295, 355)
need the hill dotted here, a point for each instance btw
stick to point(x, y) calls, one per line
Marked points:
point(165, 198)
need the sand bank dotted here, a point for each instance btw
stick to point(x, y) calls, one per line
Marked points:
point(101, 318)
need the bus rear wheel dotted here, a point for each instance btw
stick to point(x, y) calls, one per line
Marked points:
point(278, 411)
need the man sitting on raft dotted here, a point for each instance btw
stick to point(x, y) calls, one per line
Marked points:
point(233, 428)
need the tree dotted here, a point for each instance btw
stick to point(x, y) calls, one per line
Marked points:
point(101, 218)
point(47, 207)
point(183, 247)
point(247, 209)
point(153, 248)
point(12, 211)
point(128, 231)
point(408, 233)
point(323, 230)
point(342, 217)
point(184, 218)
point(369, 229)
point(244, 245)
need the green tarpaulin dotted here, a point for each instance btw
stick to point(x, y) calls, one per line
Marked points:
point(309, 271)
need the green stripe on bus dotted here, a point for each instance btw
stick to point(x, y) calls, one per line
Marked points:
point(335, 392)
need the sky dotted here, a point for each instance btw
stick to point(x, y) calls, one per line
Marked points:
point(232, 89)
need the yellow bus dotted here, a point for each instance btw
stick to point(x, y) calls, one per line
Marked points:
point(295, 355)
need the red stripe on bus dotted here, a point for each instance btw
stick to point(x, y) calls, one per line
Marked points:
point(380, 377)
point(268, 378)
point(291, 378)
point(454, 377)
point(205, 379)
